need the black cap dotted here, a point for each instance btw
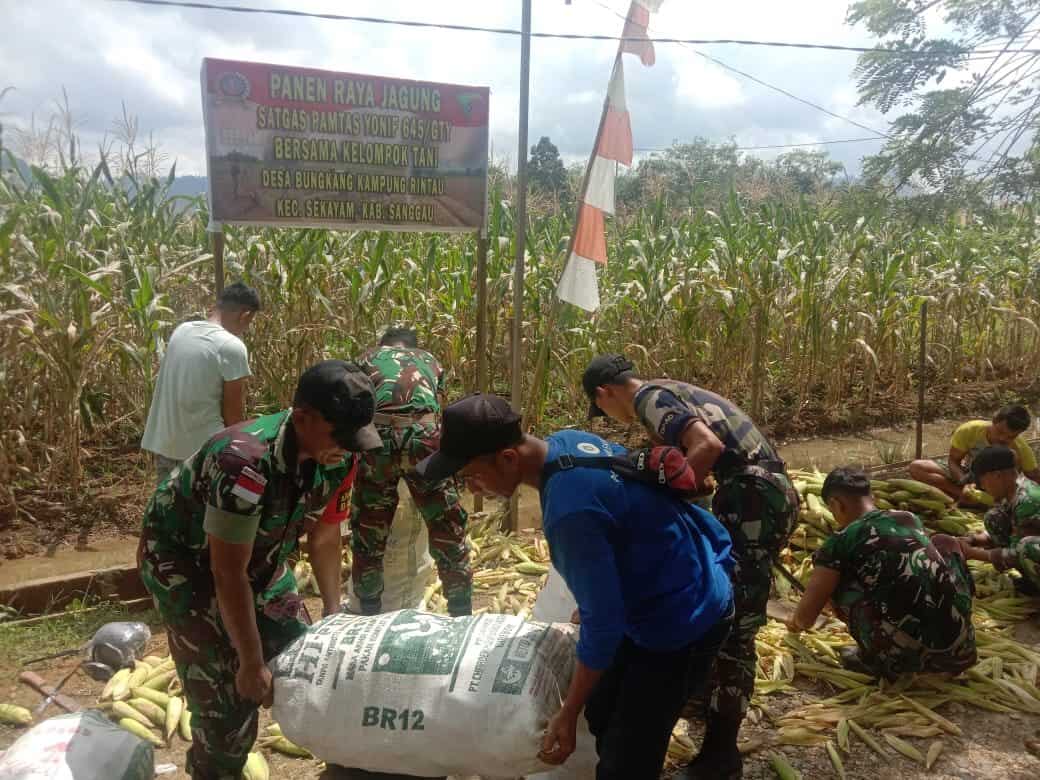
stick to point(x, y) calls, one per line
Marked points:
point(992, 459)
point(342, 393)
point(602, 371)
point(476, 425)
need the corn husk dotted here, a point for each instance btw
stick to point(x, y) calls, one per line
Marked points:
point(140, 730)
point(184, 724)
point(151, 710)
point(172, 717)
point(122, 709)
point(158, 697)
point(784, 771)
point(256, 768)
point(15, 715)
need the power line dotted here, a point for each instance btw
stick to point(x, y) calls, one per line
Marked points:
point(779, 146)
point(562, 36)
point(766, 84)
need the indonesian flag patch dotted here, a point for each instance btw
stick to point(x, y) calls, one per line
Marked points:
point(249, 486)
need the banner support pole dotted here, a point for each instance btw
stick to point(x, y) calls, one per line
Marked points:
point(218, 259)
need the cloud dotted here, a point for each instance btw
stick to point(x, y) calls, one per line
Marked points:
point(108, 54)
point(706, 86)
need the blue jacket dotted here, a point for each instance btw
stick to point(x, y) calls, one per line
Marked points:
point(639, 562)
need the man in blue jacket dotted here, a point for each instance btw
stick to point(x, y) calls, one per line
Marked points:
point(649, 571)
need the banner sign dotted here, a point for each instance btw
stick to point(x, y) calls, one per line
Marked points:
point(311, 148)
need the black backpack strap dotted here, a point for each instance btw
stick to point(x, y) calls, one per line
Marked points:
point(566, 462)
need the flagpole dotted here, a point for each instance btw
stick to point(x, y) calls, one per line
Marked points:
point(542, 364)
point(521, 235)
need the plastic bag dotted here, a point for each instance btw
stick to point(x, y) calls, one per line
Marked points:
point(81, 746)
point(118, 645)
point(555, 604)
point(407, 566)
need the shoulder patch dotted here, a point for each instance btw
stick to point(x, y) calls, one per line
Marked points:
point(249, 486)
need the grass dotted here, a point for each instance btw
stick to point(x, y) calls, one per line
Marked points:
point(889, 452)
point(69, 629)
point(783, 307)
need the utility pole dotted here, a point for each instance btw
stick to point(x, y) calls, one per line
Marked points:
point(517, 379)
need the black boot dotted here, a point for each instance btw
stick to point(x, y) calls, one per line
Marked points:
point(371, 606)
point(719, 758)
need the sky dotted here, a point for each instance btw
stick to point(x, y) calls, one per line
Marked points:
point(108, 54)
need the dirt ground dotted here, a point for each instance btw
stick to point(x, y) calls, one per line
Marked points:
point(118, 477)
point(991, 748)
point(52, 533)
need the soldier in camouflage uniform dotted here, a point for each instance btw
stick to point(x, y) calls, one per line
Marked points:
point(407, 381)
point(754, 500)
point(1012, 535)
point(216, 536)
point(905, 598)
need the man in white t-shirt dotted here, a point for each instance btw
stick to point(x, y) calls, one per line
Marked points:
point(201, 384)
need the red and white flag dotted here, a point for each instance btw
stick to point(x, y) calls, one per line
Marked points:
point(635, 27)
point(578, 283)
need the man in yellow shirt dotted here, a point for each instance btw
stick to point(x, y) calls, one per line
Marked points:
point(972, 437)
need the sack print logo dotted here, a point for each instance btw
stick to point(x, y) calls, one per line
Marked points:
point(420, 643)
point(588, 449)
point(520, 658)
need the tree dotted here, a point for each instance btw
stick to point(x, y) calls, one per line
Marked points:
point(545, 171)
point(808, 172)
point(976, 134)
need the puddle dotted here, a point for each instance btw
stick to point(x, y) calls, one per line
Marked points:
point(873, 447)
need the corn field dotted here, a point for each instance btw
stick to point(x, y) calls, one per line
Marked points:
point(778, 305)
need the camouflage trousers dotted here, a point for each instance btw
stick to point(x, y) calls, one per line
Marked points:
point(759, 516)
point(943, 641)
point(223, 724)
point(375, 502)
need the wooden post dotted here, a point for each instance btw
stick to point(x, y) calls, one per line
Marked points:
point(922, 367)
point(218, 261)
point(757, 358)
point(482, 358)
point(516, 378)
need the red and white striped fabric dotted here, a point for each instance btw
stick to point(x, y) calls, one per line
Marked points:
point(635, 27)
point(578, 283)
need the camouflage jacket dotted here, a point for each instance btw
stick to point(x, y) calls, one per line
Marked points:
point(886, 560)
point(666, 408)
point(407, 381)
point(1017, 517)
point(244, 484)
